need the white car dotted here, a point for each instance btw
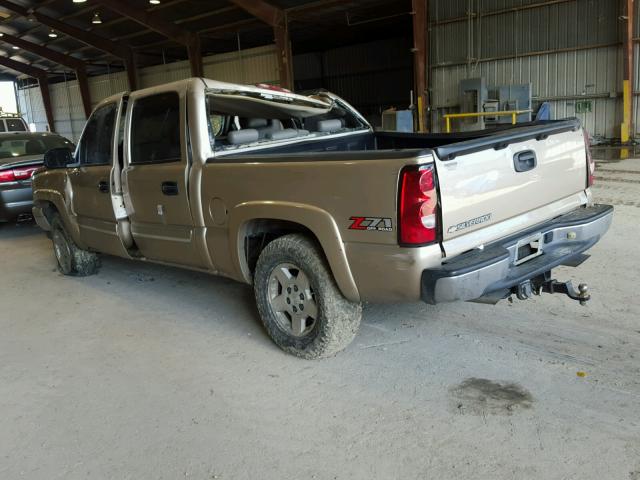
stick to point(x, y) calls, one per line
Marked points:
point(12, 122)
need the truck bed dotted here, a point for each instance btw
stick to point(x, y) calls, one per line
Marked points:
point(446, 145)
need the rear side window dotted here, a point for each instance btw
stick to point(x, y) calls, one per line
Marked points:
point(15, 125)
point(96, 145)
point(155, 129)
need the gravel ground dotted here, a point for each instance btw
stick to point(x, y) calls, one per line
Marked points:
point(146, 371)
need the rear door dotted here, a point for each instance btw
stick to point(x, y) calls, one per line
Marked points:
point(155, 182)
point(504, 180)
point(91, 182)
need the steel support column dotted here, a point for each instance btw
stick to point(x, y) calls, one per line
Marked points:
point(283, 47)
point(195, 56)
point(43, 82)
point(626, 129)
point(83, 84)
point(277, 19)
point(419, 12)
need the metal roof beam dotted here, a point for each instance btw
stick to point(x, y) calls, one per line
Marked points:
point(269, 14)
point(116, 49)
point(170, 30)
point(41, 51)
point(77, 65)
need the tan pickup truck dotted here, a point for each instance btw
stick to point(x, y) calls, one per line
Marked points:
point(298, 196)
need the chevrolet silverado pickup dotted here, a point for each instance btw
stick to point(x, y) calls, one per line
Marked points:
point(298, 196)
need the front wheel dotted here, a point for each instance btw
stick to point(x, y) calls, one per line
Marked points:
point(299, 302)
point(72, 260)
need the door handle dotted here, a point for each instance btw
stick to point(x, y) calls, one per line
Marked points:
point(525, 161)
point(170, 188)
point(103, 186)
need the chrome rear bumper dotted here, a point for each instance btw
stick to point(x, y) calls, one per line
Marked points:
point(484, 272)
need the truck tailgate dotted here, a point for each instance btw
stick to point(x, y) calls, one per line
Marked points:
point(485, 181)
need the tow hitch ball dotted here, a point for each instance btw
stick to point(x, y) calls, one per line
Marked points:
point(553, 286)
point(547, 285)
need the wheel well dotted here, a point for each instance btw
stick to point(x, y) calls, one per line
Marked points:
point(258, 233)
point(48, 209)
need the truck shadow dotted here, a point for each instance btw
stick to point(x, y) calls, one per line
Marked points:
point(16, 230)
point(184, 295)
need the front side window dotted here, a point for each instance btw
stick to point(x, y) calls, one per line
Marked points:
point(96, 145)
point(2, 129)
point(155, 129)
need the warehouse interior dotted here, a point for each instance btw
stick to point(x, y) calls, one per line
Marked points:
point(147, 370)
point(574, 59)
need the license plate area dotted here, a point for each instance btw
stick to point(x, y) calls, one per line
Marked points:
point(528, 248)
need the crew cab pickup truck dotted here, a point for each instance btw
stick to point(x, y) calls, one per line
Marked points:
point(300, 197)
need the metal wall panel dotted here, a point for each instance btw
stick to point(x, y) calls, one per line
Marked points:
point(106, 85)
point(573, 24)
point(569, 51)
point(561, 78)
point(31, 105)
point(372, 76)
point(249, 66)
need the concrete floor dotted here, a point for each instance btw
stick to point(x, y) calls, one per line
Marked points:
point(145, 371)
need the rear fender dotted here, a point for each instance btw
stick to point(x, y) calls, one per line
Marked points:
point(318, 221)
point(44, 196)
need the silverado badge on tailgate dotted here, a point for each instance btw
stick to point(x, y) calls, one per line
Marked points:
point(469, 223)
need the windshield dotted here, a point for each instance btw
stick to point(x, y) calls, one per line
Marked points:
point(14, 146)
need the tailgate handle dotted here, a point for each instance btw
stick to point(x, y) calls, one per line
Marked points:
point(170, 188)
point(525, 161)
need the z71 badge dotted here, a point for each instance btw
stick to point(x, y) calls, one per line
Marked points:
point(371, 223)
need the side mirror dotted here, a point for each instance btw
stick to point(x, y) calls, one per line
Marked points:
point(58, 157)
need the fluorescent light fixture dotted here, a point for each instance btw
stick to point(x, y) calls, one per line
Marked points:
point(154, 2)
point(96, 20)
point(53, 34)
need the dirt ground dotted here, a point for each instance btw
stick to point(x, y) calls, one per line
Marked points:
point(150, 372)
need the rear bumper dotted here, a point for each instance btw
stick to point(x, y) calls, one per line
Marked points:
point(15, 199)
point(482, 272)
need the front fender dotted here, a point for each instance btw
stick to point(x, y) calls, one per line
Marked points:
point(318, 221)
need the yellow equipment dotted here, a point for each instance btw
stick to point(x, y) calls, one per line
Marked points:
point(514, 115)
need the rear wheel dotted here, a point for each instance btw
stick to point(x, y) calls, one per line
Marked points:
point(299, 302)
point(72, 260)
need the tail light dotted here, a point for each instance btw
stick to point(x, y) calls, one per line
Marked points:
point(418, 206)
point(17, 174)
point(591, 164)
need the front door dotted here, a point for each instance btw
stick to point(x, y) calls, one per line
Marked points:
point(91, 182)
point(156, 179)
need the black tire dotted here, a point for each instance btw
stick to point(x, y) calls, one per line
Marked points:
point(336, 319)
point(71, 259)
